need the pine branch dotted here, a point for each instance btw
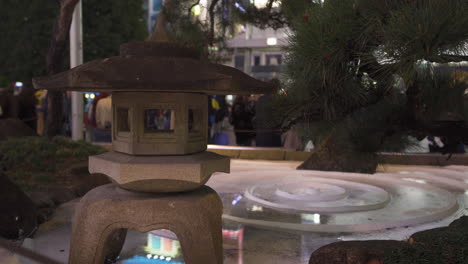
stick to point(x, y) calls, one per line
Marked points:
point(211, 10)
point(445, 58)
point(263, 17)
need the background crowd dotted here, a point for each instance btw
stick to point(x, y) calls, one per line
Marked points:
point(241, 120)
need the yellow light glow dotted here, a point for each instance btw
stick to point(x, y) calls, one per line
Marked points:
point(196, 10)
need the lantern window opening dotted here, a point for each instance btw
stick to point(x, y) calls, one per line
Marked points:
point(123, 120)
point(158, 120)
point(194, 120)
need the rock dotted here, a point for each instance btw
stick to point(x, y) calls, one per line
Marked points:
point(83, 181)
point(460, 222)
point(355, 252)
point(44, 214)
point(18, 216)
point(41, 199)
point(62, 195)
point(447, 243)
point(443, 245)
point(46, 202)
point(12, 127)
point(455, 234)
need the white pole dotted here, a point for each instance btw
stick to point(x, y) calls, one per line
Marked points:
point(150, 12)
point(76, 58)
point(248, 51)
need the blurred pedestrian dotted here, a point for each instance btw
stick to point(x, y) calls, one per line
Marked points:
point(241, 119)
point(267, 133)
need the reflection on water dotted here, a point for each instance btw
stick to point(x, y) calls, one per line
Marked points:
point(148, 260)
point(310, 218)
point(241, 245)
point(162, 246)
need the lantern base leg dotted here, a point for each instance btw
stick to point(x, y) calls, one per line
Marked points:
point(106, 212)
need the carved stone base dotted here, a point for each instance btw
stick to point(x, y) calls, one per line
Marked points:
point(195, 217)
point(159, 173)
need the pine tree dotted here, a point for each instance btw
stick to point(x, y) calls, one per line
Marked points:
point(359, 77)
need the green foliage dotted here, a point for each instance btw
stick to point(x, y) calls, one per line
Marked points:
point(296, 11)
point(320, 65)
point(3, 82)
point(26, 30)
point(188, 30)
point(37, 159)
point(366, 130)
point(426, 30)
point(42, 177)
point(107, 24)
point(34, 153)
point(80, 150)
point(442, 94)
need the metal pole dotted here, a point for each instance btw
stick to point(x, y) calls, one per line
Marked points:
point(76, 58)
point(248, 51)
point(150, 13)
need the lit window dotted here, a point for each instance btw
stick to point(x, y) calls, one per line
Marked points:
point(272, 41)
point(159, 120)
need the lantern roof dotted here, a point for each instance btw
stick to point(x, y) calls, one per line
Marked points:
point(155, 66)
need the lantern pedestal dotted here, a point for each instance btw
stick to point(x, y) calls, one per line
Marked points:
point(195, 217)
point(159, 173)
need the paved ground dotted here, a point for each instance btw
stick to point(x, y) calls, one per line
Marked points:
point(243, 244)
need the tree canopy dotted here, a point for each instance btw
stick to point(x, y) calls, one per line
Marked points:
point(27, 28)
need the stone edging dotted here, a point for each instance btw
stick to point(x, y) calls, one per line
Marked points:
point(254, 153)
point(433, 159)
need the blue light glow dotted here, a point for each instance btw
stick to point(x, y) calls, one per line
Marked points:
point(145, 260)
point(237, 199)
point(240, 7)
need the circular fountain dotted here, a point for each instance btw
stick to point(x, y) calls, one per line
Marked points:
point(319, 195)
point(333, 202)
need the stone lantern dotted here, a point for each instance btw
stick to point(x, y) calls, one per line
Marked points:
point(159, 163)
point(160, 113)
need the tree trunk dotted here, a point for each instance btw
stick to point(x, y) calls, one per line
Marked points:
point(54, 60)
point(333, 155)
